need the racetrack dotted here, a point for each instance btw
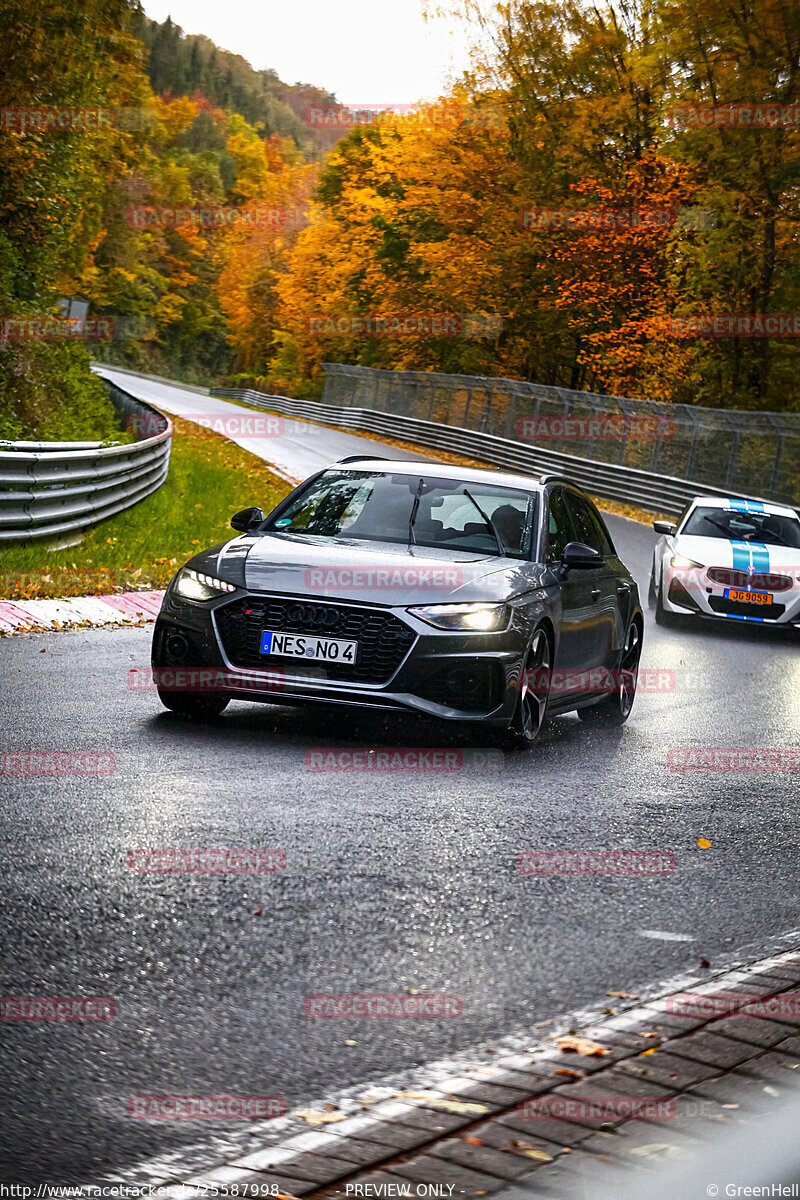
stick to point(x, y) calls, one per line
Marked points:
point(393, 881)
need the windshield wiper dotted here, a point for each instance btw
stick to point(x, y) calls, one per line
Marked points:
point(725, 528)
point(775, 536)
point(412, 537)
point(500, 547)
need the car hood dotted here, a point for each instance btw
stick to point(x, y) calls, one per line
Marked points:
point(719, 552)
point(377, 573)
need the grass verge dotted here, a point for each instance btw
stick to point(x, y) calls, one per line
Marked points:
point(209, 480)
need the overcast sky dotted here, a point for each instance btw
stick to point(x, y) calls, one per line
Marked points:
point(365, 51)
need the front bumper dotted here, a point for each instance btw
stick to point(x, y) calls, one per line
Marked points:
point(456, 676)
point(690, 590)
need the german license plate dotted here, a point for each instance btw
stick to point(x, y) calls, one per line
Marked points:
point(748, 597)
point(302, 645)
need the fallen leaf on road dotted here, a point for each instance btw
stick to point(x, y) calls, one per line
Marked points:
point(569, 1074)
point(650, 1034)
point(459, 1107)
point(580, 1045)
point(350, 1042)
point(704, 962)
point(320, 1118)
point(474, 1141)
point(624, 995)
point(541, 1024)
point(529, 1149)
point(652, 1050)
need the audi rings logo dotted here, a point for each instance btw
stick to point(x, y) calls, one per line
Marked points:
point(314, 616)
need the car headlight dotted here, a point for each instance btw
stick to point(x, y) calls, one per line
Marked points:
point(194, 586)
point(477, 618)
point(678, 560)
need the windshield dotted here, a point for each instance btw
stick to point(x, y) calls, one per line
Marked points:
point(379, 507)
point(737, 526)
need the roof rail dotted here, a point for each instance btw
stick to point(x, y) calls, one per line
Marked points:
point(359, 458)
point(558, 479)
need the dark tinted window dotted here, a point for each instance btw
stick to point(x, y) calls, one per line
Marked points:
point(588, 526)
point(559, 526)
point(760, 527)
point(378, 506)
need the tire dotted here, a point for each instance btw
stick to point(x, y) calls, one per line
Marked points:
point(616, 708)
point(202, 708)
point(531, 707)
point(651, 592)
point(667, 620)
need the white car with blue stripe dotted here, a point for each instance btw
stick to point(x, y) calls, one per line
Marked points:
point(737, 560)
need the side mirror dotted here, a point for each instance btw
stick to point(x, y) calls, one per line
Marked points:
point(664, 527)
point(247, 520)
point(578, 554)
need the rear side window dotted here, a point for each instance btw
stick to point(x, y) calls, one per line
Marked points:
point(589, 528)
point(559, 525)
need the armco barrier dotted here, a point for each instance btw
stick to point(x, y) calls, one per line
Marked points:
point(50, 488)
point(729, 450)
point(612, 481)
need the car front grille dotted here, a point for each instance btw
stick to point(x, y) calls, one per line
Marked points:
point(737, 608)
point(766, 582)
point(383, 640)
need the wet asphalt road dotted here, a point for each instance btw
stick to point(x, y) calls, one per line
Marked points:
point(392, 882)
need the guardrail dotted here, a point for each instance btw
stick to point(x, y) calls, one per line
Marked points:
point(611, 481)
point(50, 488)
point(728, 450)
